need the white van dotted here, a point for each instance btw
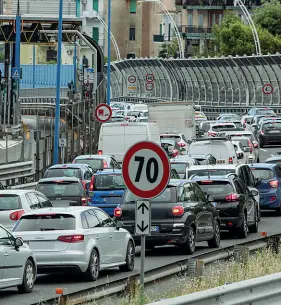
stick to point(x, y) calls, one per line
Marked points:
point(116, 138)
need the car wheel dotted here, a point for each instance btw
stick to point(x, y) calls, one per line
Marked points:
point(130, 258)
point(242, 232)
point(189, 245)
point(261, 145)
point(258, 160)
point(255, 227)
point(278, 211)
point(215, 241)
point(28, 278)
point(92, 273)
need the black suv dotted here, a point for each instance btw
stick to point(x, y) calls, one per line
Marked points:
point(180, 216)
point(238, 210)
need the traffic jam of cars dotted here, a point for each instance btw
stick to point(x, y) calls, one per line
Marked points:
point(81, 217)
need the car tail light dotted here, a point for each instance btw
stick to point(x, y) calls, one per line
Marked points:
point(71, 238)
point(274, 183)
point(256, 145)
point(84, 201)
point(207, 181)
point(250, 145)
point(175, 153)
point(99, 152)
point(117, 212)
point(232, 197)
point(74, 161)
point(177, 210)
point(92, 184)
point(211, 133)
point(181, 144)
point(272, 198)
point(230, 160)
point(262, 132)
point(105, 164)
point(16, 215)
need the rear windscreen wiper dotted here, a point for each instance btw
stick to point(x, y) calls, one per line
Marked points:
point(47, 229)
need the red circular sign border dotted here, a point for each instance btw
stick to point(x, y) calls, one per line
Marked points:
point(149, 84)
point(272, 89)
point(96, 113)
point(149, 81)
point(134, 78)
point(166, 169)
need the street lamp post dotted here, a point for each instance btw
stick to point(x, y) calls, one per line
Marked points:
point(108, 51)
point(57, 111)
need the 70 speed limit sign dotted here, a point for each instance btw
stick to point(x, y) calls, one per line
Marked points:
point(146, 169)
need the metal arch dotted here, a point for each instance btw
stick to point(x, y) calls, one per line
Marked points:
point(139, 76)
point(184, 92)
point(219, 78)
point(207, 73)
point(204, 87)
point(216, 81)
point(115, 45)
point(174, 83)
point(251, 24)
point(185, 71)
point(169, 79)
point(188, 65)
point(123, 75)
point(113, 82)
point(246, 78)
point(154, 61)
point(148, 65)
point(227, 73)
point(132, 68)
point(178, 80)
point(277, 81)
point(179, 72)
point(142, 70)
point(162, 79)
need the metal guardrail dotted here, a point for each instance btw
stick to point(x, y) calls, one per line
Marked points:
point(262, 290)
point(26, 186)
point(19, 170)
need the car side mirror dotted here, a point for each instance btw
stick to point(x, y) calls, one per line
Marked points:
point(210, 198)
point(254, 193)
point(254, 125)
point(18, 243)
point(119, 225)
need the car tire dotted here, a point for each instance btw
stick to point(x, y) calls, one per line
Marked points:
point(28, 278)
point(189, 245)
point(255, 227)
point(258, 160)
point(93, 270)
point(242, 231)
point(130, 258)
point(215, 241)
point(278, 211)
point(261, 145)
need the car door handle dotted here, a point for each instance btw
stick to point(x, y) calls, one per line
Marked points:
point(97, 237)
point(111, 237)
point(6, 254)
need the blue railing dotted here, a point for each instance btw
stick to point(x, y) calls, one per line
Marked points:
point(44, 77)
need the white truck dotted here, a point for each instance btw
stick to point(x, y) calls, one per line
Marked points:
point(174, 117)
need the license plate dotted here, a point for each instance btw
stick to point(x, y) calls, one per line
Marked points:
point(274, 131)
point(112, 199)
point(154, 228)
point(220, 161)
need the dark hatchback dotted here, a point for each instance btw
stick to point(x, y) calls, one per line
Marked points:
point(180, 216)
point(238, 210)
point(63, 191)
point(269, 133)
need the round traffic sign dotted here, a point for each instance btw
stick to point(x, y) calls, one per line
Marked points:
point(132, 79)
point(267, 89)
point(146, 169)
point(103, 113)
point(149, 78)
point(149, 86)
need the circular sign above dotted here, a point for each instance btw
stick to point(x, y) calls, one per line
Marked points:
point(267, 89)
point(149, 86)
point(132, 79)
point(146, 169)
point(103, 113)
point(149, 78)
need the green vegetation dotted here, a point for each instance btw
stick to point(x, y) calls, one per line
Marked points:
point(169, 49)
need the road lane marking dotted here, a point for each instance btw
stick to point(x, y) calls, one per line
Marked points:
point(263, 149)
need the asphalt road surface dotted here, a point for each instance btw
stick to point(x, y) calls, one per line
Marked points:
point(160, 256)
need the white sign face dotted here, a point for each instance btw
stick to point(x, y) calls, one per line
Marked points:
point(62, 142)
point(103, 113)
point(149, 86)
point(149, 78)
point(267, 89)
point(143, 217)
point(132, 88)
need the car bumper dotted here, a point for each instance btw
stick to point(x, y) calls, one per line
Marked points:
point(267, 200)
point(274, 138)
point(48, 262)
point(228, 223)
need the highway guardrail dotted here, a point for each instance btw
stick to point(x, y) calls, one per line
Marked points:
point(26, 186)
point(261, 290)
point(19, 171)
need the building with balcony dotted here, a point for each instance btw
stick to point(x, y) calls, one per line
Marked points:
point(199, 16)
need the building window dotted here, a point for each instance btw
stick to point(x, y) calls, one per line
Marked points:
point(133, 6)
point(220, 19)
point(96, 5)
point(131, 55)
point(200, 20)
point(51, 55)
point(96, 34)
point(190, 19)
point(132, 34)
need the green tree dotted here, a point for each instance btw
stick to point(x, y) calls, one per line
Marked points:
point(168, 50)
point(268, 16)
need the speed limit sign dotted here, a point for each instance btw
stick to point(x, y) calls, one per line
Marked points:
point(267, 89)
point(146, 169)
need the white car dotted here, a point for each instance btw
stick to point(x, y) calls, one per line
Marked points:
point(248, 148)
point(177, 137)
point(14, 203)
point(83, 239)
point(217, 127)
point(17, 263)
point(242, 156)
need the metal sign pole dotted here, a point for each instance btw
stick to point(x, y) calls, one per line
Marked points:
point(142, 264)
point(108, 52)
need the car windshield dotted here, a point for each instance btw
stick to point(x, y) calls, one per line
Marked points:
point(244, 142)
point(9, 202)
point(262, 173)
point(63, 172)
point(59, 189)
point(169, 195)
point(271, 125)
point(45, 222)
point(109, 182)
point(216, 187)
point(219, 149)
point(265, 112)
point(172, 137)
point(94, 163)
point(180, 167)
point(210, 172)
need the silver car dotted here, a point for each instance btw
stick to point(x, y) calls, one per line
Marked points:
point(83, 239)
point(14, 203)
point(17, 263)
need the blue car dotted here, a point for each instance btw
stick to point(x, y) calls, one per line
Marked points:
point(106, 190)
point(268, 178)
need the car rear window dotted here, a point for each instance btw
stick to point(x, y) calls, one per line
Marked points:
point(210, 172)
point(168, 138)
point(179, 167)
point(45, 222)
point(238, 124)
point(94, 163)
point(218, 149)
point(109, 182)
point(63, 172)
point(244, 142)
point(271, 125)
point(169, 195)
point(59, 188)
point(262, 173)
point(216, 187)
point(9, 202)
point(265, 112)
point(220, 127)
